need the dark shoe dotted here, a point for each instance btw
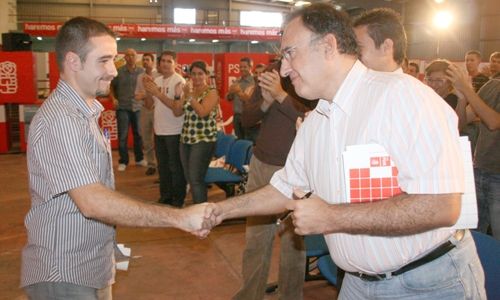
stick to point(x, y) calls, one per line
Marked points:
point(150, 171)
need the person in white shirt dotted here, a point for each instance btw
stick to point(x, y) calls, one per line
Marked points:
point(399, 247)
point(168, 129)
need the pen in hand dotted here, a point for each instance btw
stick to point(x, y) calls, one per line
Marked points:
point(289, 213)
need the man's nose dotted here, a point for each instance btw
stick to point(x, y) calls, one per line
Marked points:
point(285, 68)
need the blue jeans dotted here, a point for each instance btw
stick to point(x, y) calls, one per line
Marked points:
point(64, 290)
point(488, 201)
point(172, 181)
point(195, 160)
point(124, 119)
point(456, 275)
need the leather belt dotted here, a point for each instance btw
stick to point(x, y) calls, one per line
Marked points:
point(434, 254)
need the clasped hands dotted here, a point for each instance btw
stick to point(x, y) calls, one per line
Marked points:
point(310, 216)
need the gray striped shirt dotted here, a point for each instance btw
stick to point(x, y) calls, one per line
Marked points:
point(66, 150)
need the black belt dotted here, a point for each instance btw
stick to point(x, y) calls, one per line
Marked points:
point(436, 253)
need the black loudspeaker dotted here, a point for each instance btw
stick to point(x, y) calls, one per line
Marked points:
point(16, 41)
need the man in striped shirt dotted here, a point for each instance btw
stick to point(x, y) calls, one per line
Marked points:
point(401, 247)
point(69, 254)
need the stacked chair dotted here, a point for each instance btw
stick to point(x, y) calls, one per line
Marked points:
point(232, 177)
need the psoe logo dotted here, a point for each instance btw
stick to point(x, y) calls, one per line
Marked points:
point(8, 77)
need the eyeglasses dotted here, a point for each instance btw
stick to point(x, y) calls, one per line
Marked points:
point(288, 53)
point(435, 81)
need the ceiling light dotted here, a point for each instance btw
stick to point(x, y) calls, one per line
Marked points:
point(254, 42)
point(192, 40)
point(118, 38)
point(39, 38)
point(215, 41)
point(303, 3)
point(143, 39)
point(443, 19)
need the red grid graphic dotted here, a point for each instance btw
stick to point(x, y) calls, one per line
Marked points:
point(364, 188)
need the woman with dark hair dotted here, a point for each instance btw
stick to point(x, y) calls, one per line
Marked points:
point(198, 102)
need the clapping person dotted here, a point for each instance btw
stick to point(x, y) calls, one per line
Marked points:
point(198, 102)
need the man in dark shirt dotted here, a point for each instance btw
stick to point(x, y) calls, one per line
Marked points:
point(239, 92)
point(127, 110)
point(277, 109)
point(472, 61)
point(486, 106)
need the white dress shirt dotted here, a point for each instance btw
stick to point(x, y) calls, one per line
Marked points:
point(414, 125)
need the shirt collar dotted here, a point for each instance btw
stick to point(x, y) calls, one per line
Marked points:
point(398, 71)
point(342, 98)
point(78, 102)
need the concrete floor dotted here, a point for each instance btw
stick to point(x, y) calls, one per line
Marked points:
point(166, 263)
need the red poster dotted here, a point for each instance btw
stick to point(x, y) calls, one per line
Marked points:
point(17, 77)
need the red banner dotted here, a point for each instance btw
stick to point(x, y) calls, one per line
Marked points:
point(163, 31)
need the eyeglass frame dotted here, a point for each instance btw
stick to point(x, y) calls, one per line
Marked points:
point(286, 54)
point(441, 81)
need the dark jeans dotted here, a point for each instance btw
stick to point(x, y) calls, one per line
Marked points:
point(172, 181)
point(195, 160)
point(239, 131)
point(124, 119)
point(488, 201)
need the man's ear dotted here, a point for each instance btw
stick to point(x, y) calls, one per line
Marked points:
point(388, 46)
point(330, 44)
point(72, 61)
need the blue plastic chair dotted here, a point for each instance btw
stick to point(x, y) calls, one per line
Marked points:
point(488, 250)
point(316, 248)
point(227, 178)
point(328, 268)
point(223, 144)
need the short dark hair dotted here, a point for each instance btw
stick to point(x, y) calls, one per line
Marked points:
point(200, 65)
point(74, 36)
point(248, 60)
point(495, 54)
point(322, 19)
point(414, 64)
point(474, 52)
point(168, 52)
point(382, 24)
point(438, 65)
point(151, 55)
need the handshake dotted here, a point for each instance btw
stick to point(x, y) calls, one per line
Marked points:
point(200, 219)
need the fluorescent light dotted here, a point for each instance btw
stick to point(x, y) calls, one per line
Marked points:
point(192, 40)
point(143, 39)
point(254, 42)
point(215, 41)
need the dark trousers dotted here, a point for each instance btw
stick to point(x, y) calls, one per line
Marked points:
point(172, 181)
point(239, 131)
point(124, 119)
point(195, 160)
